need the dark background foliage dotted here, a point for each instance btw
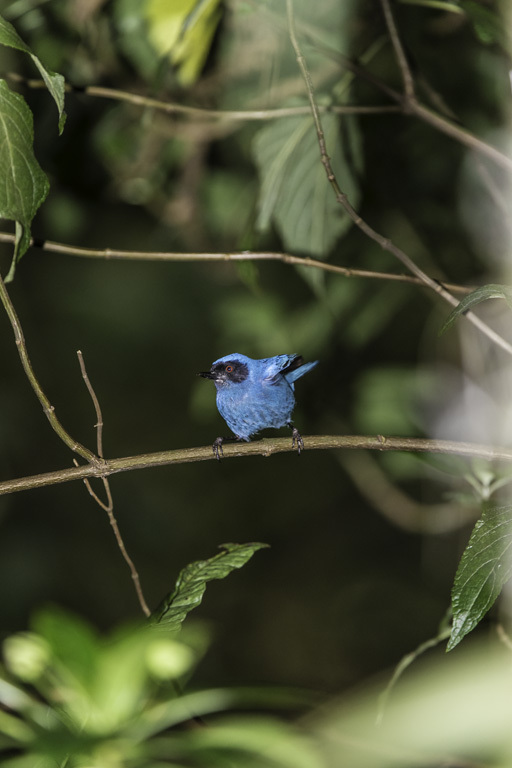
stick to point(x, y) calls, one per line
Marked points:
point(343, 590)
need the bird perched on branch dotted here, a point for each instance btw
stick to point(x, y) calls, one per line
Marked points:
point(256, 394)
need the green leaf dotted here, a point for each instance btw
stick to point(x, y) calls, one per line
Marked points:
point(183, 30)
point(24, 185)
point(295, 191)
point(191, 583)
point(54, 82)
point(487, 24)
point(490, 291)
point(485, 567)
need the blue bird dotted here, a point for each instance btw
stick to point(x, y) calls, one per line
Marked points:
point(256, 394)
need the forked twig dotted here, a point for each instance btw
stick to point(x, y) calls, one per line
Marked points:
point(342, 198)
point(109, 505)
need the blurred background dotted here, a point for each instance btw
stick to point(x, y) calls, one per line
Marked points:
point(363, 548)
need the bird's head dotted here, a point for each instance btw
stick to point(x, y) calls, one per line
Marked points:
point(227, 370)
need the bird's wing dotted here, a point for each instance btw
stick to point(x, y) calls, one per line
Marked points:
point(276, 367)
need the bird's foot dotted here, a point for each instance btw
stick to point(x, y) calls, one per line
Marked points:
point(297, 439)
point(217, 448)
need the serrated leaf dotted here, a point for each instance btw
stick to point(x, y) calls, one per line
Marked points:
point(490, 291)
point(54, 82)
point(24, 185)
point(295, 191)
point(485, 567)
point(191, 583)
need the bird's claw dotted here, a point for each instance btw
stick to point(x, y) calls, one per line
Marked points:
point(297, 440)
point(217, 448)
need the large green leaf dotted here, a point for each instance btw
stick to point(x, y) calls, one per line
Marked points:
point(192, 580)
point(485, 567)
point(54, 82)
point(24, 185)
point(295, 191)
point(485, 292)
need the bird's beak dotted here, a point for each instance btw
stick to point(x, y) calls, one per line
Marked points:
point(207, 375)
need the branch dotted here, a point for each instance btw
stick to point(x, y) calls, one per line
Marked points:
point(342, 198)
point(48, 408)
point(202, 113)
point(109, 506)
point(405, 106)
point(399, 51)
point(285, 258)
point(266, 447)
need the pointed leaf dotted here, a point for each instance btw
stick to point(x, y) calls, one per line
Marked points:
point(192, 580)
point(54, 82)
point(295, 191)
point(484, 568)
point(24, 185)
point(491, 291)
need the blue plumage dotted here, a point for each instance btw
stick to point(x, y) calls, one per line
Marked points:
point(256, 394)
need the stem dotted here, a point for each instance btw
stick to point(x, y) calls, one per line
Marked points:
point(109, 506)
point(399, 51)
point(48, 409)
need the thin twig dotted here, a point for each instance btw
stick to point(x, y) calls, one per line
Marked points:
point(203, 113)
point(265, 448)
point(411, 107)
point(48, 408)
point(109, 506)
point(342, 198)
point(408, 108)
point(285, 258)
point(95, 402)
point(399, 51)
point(402, 666)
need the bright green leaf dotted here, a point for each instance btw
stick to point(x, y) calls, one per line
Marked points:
point(54, 82)
point(485, 567)
point(295, 191)
point(491, 291)
point(183, 30)
point(191, 583)
point(24, 185)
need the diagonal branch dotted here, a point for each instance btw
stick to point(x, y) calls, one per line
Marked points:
point(342, 198)
point(48, 408)
point(399, 51)
point(266, 448)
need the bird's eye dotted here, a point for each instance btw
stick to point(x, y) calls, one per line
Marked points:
point(229, 369)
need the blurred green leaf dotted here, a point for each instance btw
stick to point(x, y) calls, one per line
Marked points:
point(295, 191)
point(24, 185)
point(485, 567)
point(183, 30)
point(273, 743)
point(191, 583)
point(54, 82)
point(488, 26)
point(490, 291)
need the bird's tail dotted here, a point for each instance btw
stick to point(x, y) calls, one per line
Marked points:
point(296, 373)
